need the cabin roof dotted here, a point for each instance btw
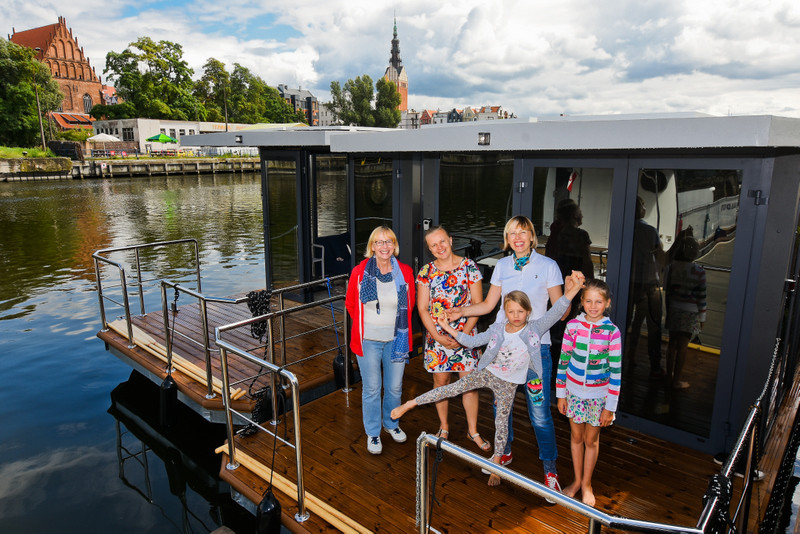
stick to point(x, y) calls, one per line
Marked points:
point(581, 134)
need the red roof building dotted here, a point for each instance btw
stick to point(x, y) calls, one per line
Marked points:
point(59, 50)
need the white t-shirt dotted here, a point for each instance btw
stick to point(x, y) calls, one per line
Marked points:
point(540, 274)
point(380, 326)
point(511, 362)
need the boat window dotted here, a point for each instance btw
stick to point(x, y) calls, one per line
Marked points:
point(475, 200)
point(282, 182)
point(331, 253)
point(571, 214)
point(681, 262)
point(373, 197)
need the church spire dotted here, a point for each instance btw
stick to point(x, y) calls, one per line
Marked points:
point(395, 60)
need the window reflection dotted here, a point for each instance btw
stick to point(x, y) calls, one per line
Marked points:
point(281, 180)
point(373, 197)
point(680, 269)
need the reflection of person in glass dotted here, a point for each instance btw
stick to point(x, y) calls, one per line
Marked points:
point(646, 291)
point(686, 305)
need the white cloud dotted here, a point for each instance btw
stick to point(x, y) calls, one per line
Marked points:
point(568, 56)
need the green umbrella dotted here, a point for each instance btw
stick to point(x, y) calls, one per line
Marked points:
point(162, 138)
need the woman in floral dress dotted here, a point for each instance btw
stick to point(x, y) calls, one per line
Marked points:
point(449, 281)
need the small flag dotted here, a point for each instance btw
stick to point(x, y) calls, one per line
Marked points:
point(571, 180)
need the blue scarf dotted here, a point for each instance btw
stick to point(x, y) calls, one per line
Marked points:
point(519, 263)
point(369, 292)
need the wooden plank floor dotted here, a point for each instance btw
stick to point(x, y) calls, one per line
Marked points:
point(243, 374)
point(637, 476)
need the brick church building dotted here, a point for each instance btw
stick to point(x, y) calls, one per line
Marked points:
point(396, 72)
point(58, 49)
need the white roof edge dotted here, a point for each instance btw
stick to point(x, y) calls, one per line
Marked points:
point(588, 133)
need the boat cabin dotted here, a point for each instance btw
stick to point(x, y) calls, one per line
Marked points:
point(720, 193)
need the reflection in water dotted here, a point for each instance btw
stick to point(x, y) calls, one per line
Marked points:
point(56, 374)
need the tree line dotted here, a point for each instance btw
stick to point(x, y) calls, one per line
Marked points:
point(153, 81)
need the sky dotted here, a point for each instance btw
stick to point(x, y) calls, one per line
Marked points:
point(535, 58)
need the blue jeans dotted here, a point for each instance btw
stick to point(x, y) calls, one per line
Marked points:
point(541, 417)
point(377, 355)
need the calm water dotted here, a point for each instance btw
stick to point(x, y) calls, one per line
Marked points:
point(58, 452)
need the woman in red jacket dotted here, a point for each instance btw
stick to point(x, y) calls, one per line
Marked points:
point(380, 297)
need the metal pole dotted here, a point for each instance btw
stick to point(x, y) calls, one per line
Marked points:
point(100, 295)
point(302, 514)
point(748, 482)
point(345, 327)
point(167, 335)
point(273, 383)
point(204, 317)
point(139, 279)
point(423, 485)
point(226, 401)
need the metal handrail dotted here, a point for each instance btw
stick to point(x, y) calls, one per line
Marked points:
point(99, 258)
point(597, 518)
point(279, 370)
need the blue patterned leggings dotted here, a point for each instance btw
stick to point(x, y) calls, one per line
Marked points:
point(503, 395)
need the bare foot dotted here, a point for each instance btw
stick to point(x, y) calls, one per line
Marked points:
point(588, 495)
point(494, 480)
point(398, 412)
point(572, 489)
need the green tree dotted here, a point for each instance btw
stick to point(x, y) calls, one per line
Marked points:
point(126, 110)
point(387, 114)
point(22, 76)
point(213, 88)
point(352, 104)
point(155, 79)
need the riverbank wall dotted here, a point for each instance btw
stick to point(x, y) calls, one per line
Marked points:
point(17, 170)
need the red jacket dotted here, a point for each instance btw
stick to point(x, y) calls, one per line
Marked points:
point(356, 309)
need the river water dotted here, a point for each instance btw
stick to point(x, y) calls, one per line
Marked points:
point(59, 467)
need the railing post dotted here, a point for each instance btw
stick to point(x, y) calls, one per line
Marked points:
point(423, 485)
point(197, 265)
point(226, 401)
point(139, 280)
point(100, 294)
point(127, 304)
point(204, 318)
point(273, 382)
point(346, 329)
point(167, 331)
point(302, 514)
point(748, 482)
point(594, 526)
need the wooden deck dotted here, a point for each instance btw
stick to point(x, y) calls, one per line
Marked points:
point(243, 374)
point(637, 476)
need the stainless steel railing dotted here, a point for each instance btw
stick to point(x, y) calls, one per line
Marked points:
point(711, 513)
point(101, 257)
point(281, 370)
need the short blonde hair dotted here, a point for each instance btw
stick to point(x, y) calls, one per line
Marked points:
point(524, 223)
point(374, 237)
point(520, 297)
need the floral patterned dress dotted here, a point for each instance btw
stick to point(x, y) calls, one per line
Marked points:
point(449, 289)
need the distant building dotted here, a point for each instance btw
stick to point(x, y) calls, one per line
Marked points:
point(469, 114)
point(58, 49)
point(301, 99)
point(409, 120)
point(488, 113)
point(135, 132)
point(454, 115)
point(325, 115)
point(396, 72)
point(426, 117)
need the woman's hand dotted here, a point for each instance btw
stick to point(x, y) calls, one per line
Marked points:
point(447, 341)
point(606, 417)
point(562, 406)
point(454, 314)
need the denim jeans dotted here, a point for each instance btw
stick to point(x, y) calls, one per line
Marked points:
point(377, 356)
point(541, 417)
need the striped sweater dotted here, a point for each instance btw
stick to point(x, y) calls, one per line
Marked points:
point(590, 365)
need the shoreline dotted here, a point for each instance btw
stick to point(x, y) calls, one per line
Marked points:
point(47, 169)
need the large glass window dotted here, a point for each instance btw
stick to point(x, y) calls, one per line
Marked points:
point(282, 184)
point(373, 197)
point(685, 230)
point(571, 214)
point(475, 200)
point(331, 246)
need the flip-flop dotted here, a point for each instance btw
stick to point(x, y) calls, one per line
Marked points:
point(442, 433)
point(484, 445)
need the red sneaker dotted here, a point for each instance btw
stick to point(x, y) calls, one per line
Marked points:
point(551, 481)
point(505, 459)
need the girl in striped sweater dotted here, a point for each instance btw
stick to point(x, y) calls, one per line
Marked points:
point(587, 382)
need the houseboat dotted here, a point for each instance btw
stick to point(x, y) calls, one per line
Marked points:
point(263, 363)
